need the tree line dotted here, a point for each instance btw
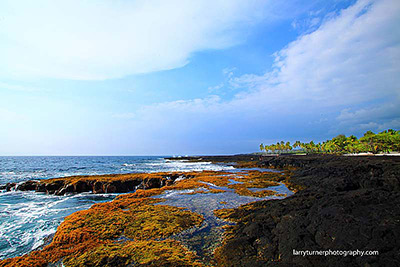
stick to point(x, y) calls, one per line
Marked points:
point(386, 141)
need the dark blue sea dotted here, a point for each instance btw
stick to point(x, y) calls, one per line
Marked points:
point(27, 218)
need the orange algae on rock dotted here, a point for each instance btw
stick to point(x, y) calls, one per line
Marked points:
point(103, 234)
point(159, 221)
point(127, 217)
point(136, 253)
point(262, 193)
point(224, 214)
point(137, 219)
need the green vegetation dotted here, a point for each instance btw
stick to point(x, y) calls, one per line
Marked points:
point(383, 142)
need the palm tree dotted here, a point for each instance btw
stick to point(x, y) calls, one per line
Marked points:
point(288, 147)
point(278, 147)
point(273, 148)
point(296, 144)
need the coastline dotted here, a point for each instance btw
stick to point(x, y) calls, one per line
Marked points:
point(332, 206)
point(140, 217)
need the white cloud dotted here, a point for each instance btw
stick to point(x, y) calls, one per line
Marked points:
point(214, 89)
point(375, 118)
point(350, 61)
point(100, 39)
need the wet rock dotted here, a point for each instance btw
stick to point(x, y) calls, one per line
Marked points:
point(152, 183)
point(114, 184)
point(98, 188)
point(110, 188)
point(53, 187)
point(81, 186)
point(8, 187)
point(60, 192)
point(27, 186)
point(69, 188)
point(41, 187)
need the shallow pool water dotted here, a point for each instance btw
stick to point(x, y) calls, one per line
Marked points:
point(208, 236)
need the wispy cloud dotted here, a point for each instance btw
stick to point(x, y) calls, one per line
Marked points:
point(110, 39)
point(216, 88)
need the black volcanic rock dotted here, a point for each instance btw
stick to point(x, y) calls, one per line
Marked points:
point(349, 203)
point(8, 187)
point(27, 186)
point(61, 186)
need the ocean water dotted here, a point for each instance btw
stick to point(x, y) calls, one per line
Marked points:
point(27, 218)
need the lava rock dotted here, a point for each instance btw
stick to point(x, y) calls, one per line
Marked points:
point(349, 203)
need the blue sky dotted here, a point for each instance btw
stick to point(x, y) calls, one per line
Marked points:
point(193, 77)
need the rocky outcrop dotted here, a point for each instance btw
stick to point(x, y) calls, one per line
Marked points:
point(96, 184)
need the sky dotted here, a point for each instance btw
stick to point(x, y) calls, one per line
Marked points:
point(154, 77)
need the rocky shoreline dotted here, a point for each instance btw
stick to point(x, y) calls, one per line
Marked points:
point(342, 203)
point(97, 184)
point(348, 204)
point(137, 229)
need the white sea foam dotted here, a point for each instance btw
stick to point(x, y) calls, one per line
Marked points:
point(171, 193)
point(28, 217)
point(174, 165)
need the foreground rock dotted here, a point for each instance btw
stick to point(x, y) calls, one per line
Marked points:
point(349, 204)
point(135, 229)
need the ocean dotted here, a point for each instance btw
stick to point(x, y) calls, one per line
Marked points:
point(27, 218)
